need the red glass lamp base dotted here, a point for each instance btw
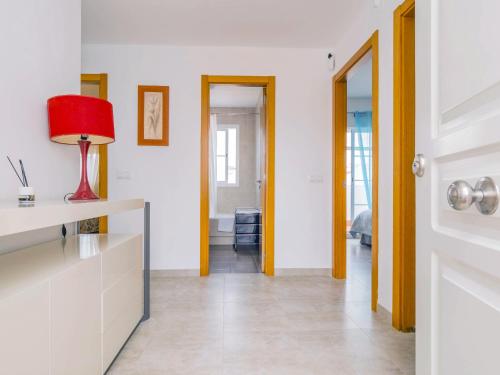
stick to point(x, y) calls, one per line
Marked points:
point(83, 195)
point(84, 191)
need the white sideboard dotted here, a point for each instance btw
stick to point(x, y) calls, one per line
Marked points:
point(15, 218)
point(68, 306)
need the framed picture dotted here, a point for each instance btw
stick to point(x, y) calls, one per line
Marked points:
point(152, 116)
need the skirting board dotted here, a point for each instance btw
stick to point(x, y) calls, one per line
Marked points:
point(278, 272)
point(303, 272)
point(175, 273)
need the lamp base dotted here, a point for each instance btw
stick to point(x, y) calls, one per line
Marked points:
point(84, 191)
point(83, 195)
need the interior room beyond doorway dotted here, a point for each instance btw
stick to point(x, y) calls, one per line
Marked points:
point(359, 174)
point(235, 154)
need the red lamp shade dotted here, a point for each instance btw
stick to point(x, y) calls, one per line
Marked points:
point(71, 116)
point(82, 120)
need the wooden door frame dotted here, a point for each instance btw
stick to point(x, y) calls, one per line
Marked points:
point(403, 300)
point(102, 80)
point(339, 171)
point(268, 83)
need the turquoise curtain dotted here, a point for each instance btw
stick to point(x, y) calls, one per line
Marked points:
point(363, 123)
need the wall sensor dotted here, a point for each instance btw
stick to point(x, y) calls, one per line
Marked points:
point(331, 61)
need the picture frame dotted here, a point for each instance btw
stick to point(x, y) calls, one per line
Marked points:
point(153, 116)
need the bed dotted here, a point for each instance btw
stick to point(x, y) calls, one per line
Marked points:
point(362, 225)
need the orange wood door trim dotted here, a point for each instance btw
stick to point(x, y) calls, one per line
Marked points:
point(269, 83)
point(339, 173)
point(338, 155)
point(204, 177)
point(403, 301)
point(375, 160)
point(101, 80)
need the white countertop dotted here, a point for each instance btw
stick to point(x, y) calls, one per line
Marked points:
point(16, 219)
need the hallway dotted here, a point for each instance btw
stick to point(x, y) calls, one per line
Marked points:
point(251, 324)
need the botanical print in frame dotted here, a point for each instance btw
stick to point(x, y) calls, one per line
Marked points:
point(153, 116)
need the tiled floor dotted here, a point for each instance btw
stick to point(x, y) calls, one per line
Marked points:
point(359, 263)
point(223, 259)
point(251, 324)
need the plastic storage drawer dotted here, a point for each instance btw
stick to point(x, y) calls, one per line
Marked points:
point(247, 228)
point(247, 239)
point(247, 216)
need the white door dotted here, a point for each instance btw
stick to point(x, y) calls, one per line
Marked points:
point(458, 131)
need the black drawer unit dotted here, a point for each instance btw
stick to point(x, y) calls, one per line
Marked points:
point(247, 228)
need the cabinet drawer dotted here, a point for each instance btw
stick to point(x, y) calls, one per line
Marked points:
point(121, 297)
point(76, 320)
point(120, 259)
point(122, 310)
point(25, 332)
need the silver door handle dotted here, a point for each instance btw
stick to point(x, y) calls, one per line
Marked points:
point(461, 195)
point(418, 165)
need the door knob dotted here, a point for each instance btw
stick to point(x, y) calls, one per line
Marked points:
point(418, 165)
point(461, 195)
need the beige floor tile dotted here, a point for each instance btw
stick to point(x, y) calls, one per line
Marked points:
point(181, 354)
point(397, 346)
point(362, 314)
point(251, 324)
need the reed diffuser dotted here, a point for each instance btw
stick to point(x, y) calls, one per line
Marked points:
point(26, 193)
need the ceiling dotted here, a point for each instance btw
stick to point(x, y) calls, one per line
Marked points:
point(271, 23)
point(359, 78)
point(234, 96)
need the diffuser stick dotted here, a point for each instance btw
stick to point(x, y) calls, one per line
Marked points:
point(15, 170)
point(24, 173)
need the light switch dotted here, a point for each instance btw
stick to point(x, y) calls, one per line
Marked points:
point(316, 179)
point(122, 174)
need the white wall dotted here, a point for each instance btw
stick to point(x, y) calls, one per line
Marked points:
point(170, 176)
point(41, 44)
point(380, 19)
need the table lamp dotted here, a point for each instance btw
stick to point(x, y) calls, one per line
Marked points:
point(82, 120)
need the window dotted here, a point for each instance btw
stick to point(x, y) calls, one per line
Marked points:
point(227, 155)
point(358, 170)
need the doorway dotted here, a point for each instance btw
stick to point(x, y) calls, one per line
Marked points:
point(237, 175)
point(403, 301)
point(96, 85)
point(359, 174)
point(355, 122)
point(234, 165)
